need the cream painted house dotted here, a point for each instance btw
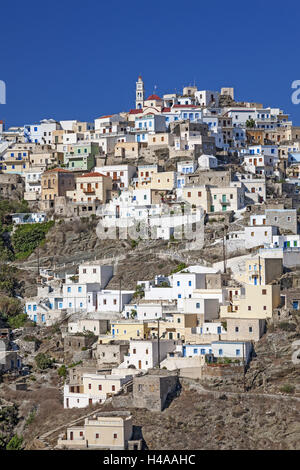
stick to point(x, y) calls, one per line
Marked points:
point(261, 271)
point(164, 180)
point(106, 430)
point(197, 196)
point(256, 302)
point(94, 388)
point(91, 187)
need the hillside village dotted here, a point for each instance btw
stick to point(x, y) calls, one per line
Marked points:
point(150, 277)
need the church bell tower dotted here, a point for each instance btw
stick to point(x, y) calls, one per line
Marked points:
point(140, 93)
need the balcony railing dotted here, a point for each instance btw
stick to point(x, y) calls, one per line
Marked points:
point(224, 202)
point(89, 191)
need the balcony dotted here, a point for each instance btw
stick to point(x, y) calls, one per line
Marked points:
point(89, 191)
point(227, 203)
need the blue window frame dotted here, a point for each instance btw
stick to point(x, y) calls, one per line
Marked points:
point(79, 289)
point(195, 351)
point(202, 351)
point(69, 289)
point(34, 308)
point(178, 283)
point(179, 296)
point(197, 305)
point(190, 283)
point(237, 352)
point(70, 304)
point(220, 352)
point(60, 305)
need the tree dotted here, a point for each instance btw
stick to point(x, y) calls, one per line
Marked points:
point(43, 361)
point(250, 123)
point(9, 283)
point(9, 307)
point(62, 371)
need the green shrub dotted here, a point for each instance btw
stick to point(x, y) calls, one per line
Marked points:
point(179, 268)
point(43, 361)
point(15, 443)
point(30, 418)
point(62, 371)
point(17, 321)
point(286, 326)
point(27, 238)
point(287, 388)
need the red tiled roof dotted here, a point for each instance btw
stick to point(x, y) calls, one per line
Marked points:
point(135, 111)
point(102, 117)
point(58, 170)
point(92, 175)
point(166, 110)
point(153, 97)
point(184, 106)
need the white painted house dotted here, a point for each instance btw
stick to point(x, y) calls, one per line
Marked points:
point(143, 354)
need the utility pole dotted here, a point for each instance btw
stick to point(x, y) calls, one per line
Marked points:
point(120, 295)
point(38, 264)
point(158, 343)
point(244, 369)
point(224, 247)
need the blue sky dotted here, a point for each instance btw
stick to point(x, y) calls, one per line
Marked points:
point(79, 60)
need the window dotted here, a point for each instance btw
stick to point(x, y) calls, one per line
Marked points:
point(113, 388)
point(178, 283)
point(220, 352)
point(264, 292)
point(250, 329)
point(99, 387)
point(236, 329)
point(115, 436)
point(97, 436)
point(197, 305)
point(249, 307)
point(90, 386)
point(237, 352)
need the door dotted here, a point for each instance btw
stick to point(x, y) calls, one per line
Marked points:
point(90, 401)
point(67, 402)
point(140, 364)
point(255, 281)
point(219, 330)
point(71, 436)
